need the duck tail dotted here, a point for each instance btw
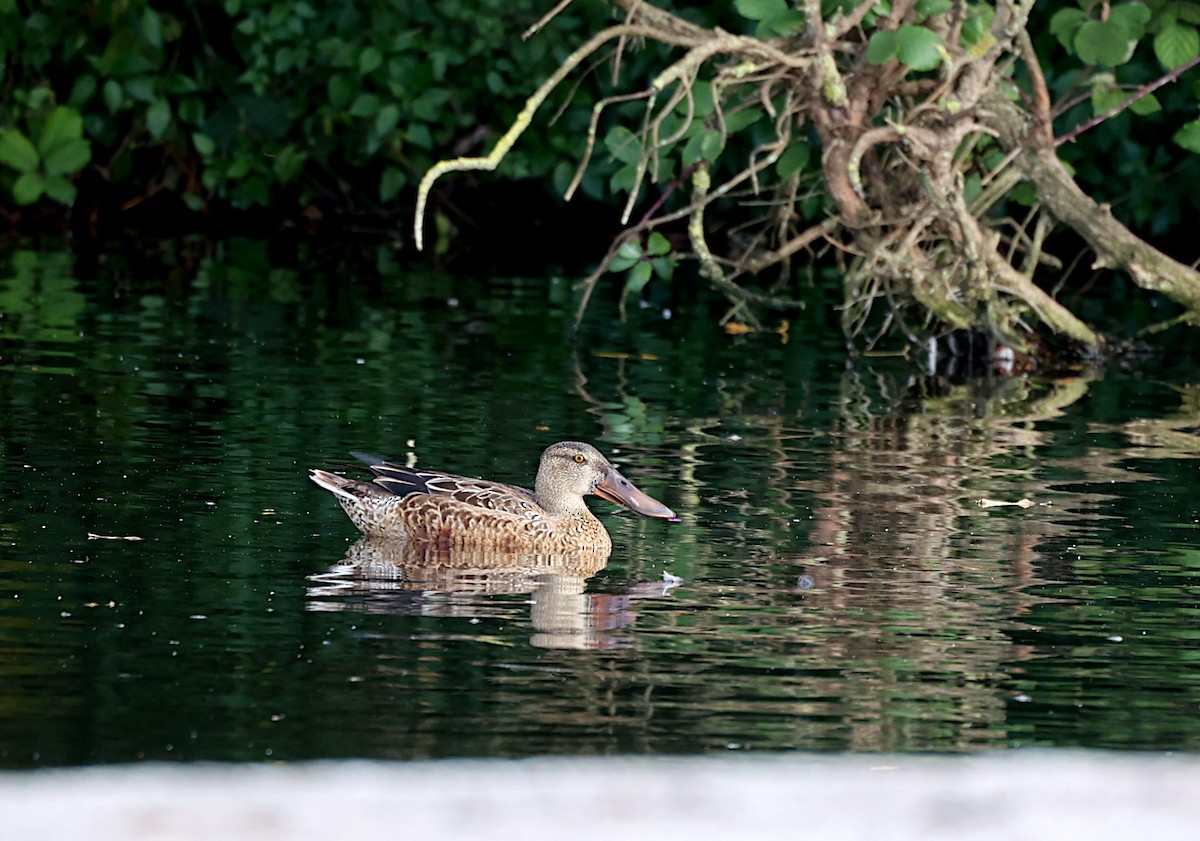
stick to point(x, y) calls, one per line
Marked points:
point(337, 485)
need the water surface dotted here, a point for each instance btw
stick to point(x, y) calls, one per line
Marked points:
point(850, 571)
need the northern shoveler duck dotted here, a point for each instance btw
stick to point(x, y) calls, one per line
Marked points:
point(454, 512)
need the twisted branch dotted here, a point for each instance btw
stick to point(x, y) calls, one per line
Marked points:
point(492, 160)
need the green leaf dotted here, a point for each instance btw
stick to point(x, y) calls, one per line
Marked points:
point(285, 60)
point(289, 162)
point(657, 245)
point(142, 89)
point(1176, 45)
point(562, 177)
point(627, 255)
point(1023, 194)
point(1103, 42)
point(979, 23)
point(341, 89)
point(928, 8)
point(919, 48)
point(637, 279)
point(1065, 24)
point(59, 189)
point(240, 166)
point(158, 118)
point(1148, 104)
point(67, 159)
point(191, 111)
point(369, 60)
point(705, 146)
point(419, 135)
point(760, 9)
point(254, 191)
point(1131, 19)
point(1105, 100)
point(16, 151)
point(794, 158)
point(84, 89)
point(668, 125)
point(664, 267)
point(882, 46)
point(693, 149)
point(623, 145)
point(622, 181)
point(152, 28)
point(428, 105)
point(63, 125)
point(392, 183)
point(739, 120)
point(39, 98)
point(972, 188)
point(204, 144)
point(712, 144)
point(28, 188)
point(114, 95)
point(365, 105)
point(702, 99)
point(1189, 136)
point(1187, 12)
point(127, 53)
point(387, 119)
point(1162, 20)
point(788, 23)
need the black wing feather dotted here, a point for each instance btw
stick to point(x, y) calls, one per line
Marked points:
point(404, 481)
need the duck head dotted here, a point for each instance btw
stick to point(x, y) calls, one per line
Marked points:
point(570, 470)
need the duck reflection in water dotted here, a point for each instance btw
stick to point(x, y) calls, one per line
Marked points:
point(406, 578)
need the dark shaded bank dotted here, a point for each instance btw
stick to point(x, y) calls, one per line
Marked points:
point(513, 228)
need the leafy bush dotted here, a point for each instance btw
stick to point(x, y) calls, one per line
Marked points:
point(292, 103)
point(1143, 160)
point(262, 102)
point(936, 120)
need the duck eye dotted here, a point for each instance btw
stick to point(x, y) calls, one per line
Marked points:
point(579, 458)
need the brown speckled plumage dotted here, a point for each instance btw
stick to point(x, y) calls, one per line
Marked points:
point(454, 512)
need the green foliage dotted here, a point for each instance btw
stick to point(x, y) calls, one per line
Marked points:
point(51, 149)
point(641, 263)
point(1189, 137)
point(978, 23)
point(774, 17)
point(793, 160)
point(265, 101)
point(1108, 97)
point(1176, 44)
point(916, 47)
point(760, 9)
point(295, 103)
point(1110, 39)
point(1112, 51)
point(882, 46)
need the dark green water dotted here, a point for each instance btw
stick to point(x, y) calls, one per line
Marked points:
point(834, 583)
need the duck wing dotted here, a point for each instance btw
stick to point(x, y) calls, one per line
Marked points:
point(479, 493)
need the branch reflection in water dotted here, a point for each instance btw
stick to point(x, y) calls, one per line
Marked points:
point(403, 577)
